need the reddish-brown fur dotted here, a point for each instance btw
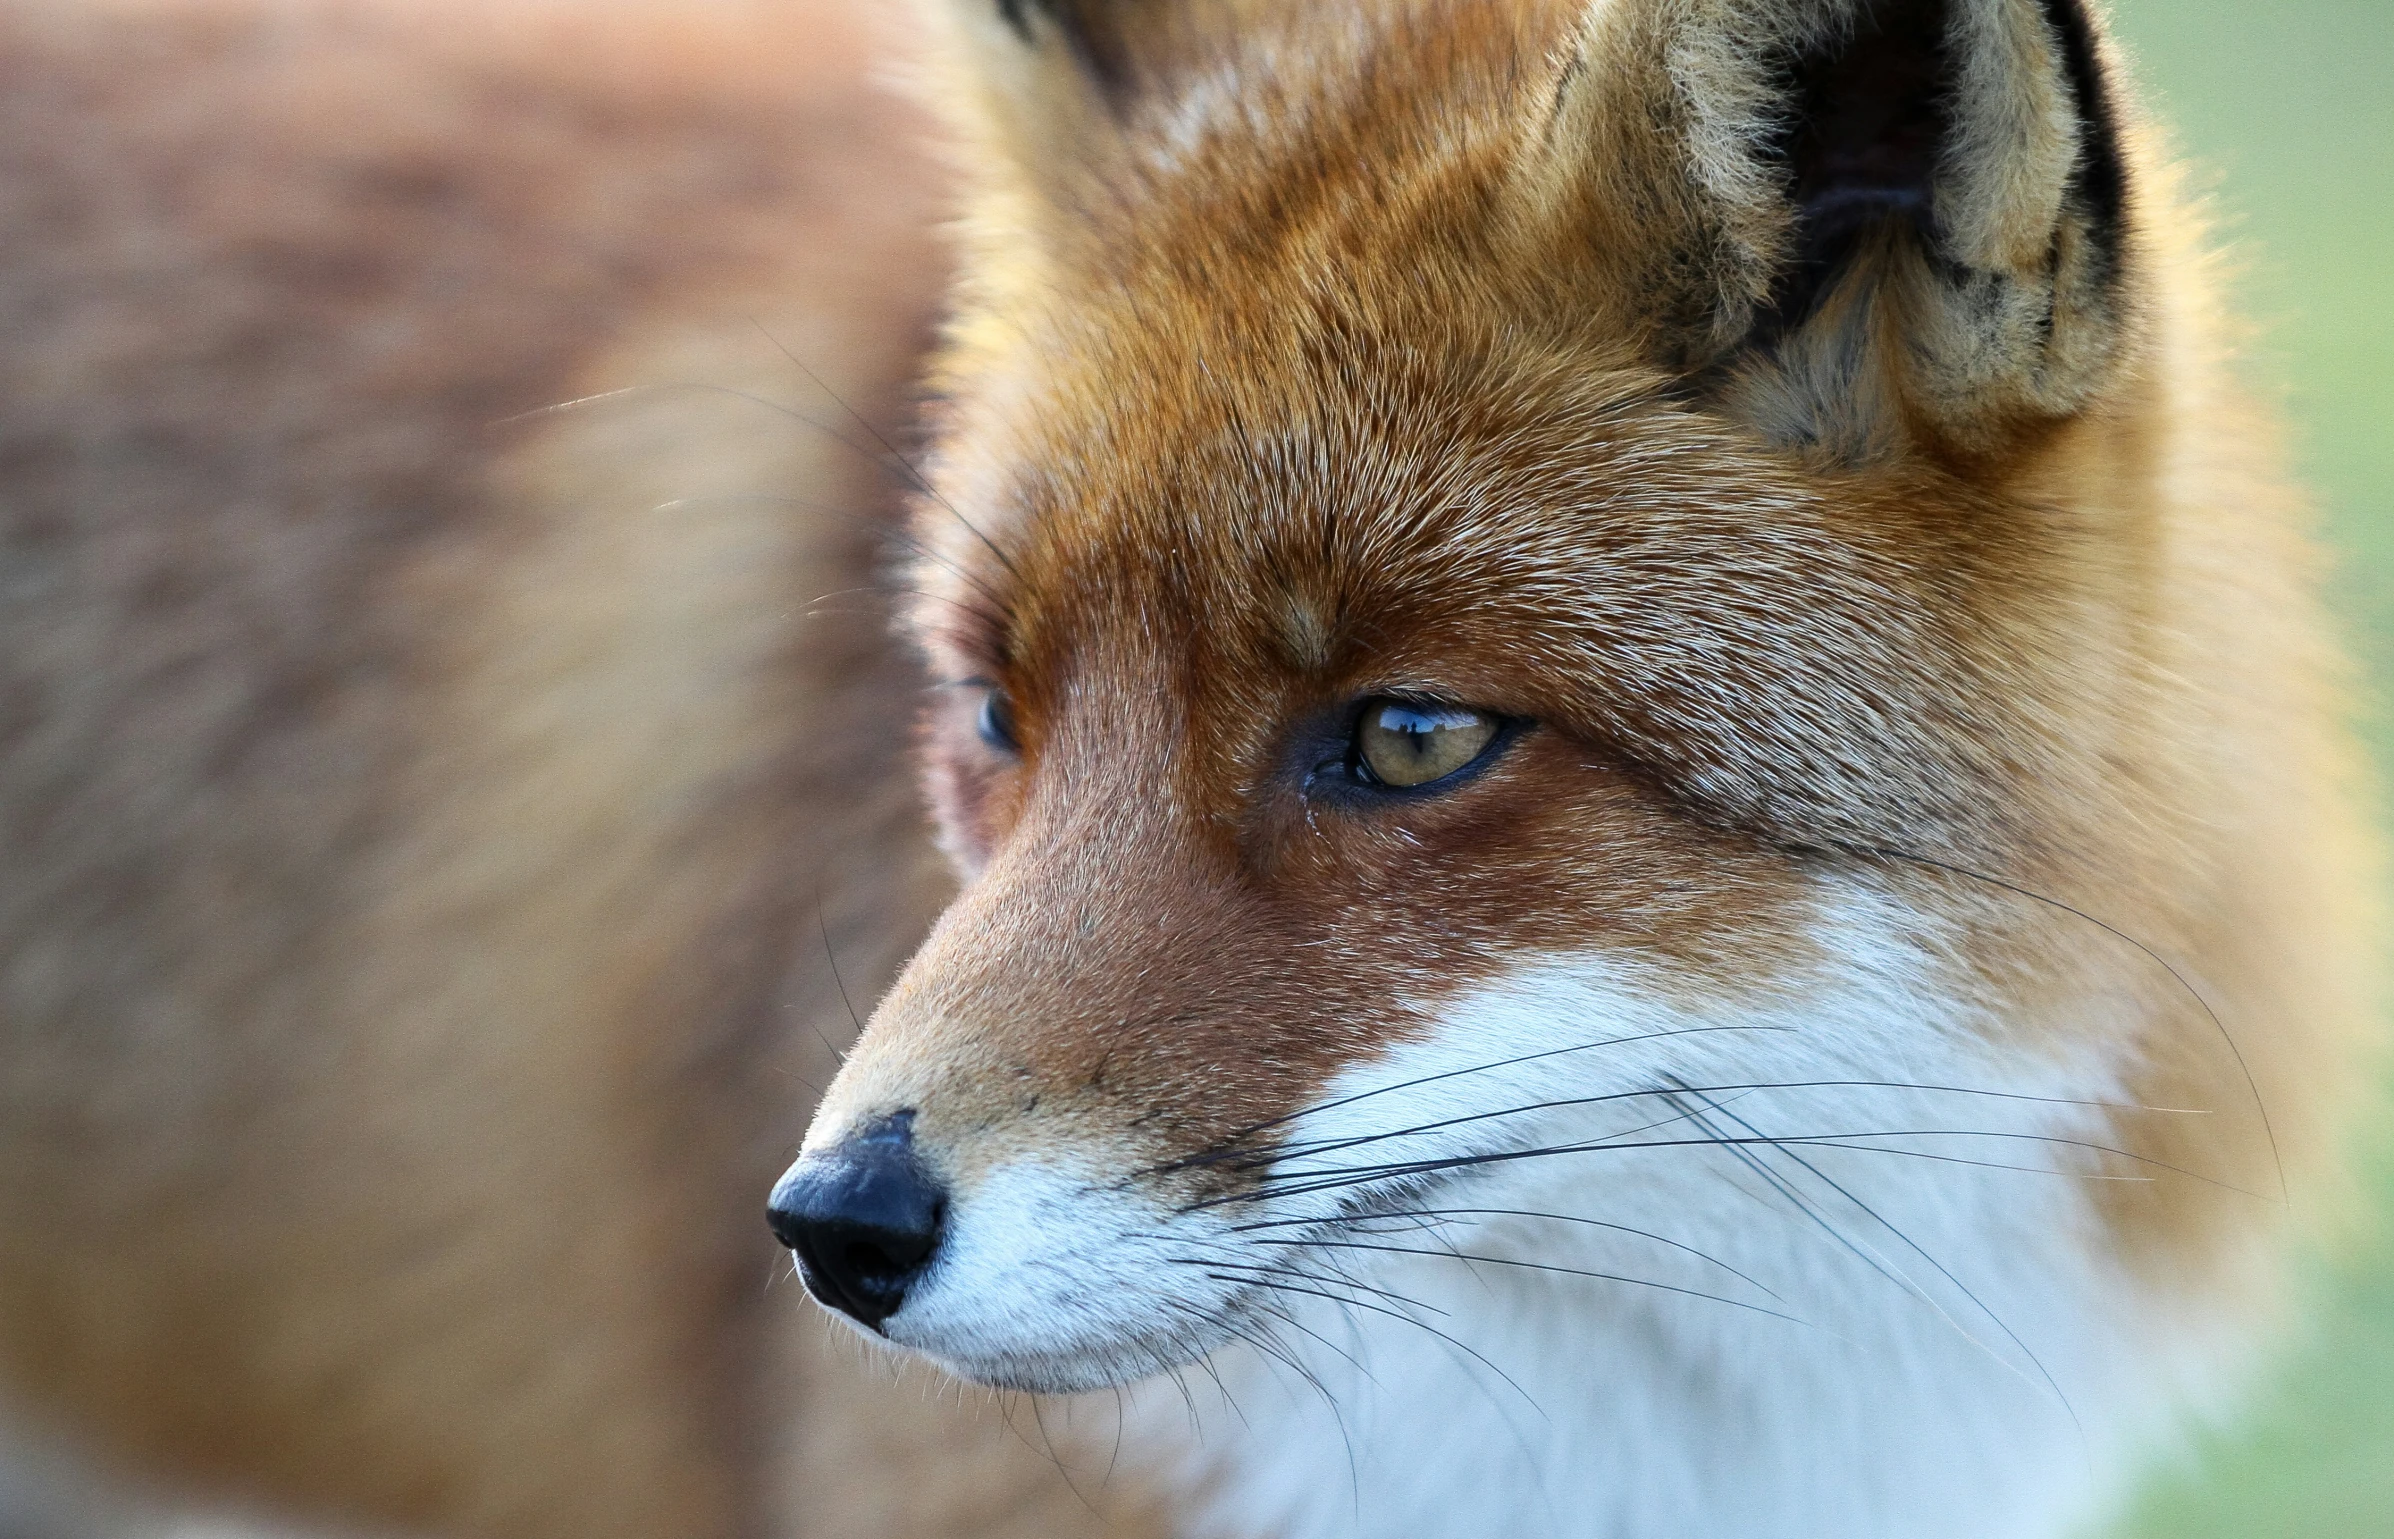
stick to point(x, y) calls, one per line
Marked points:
point(1190, 512)
point(413, 965)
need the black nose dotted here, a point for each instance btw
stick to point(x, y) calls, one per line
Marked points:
point(862, 1217)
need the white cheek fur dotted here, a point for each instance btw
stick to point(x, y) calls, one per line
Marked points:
point(1872, 1307)
point(1608, 1255)
point(1055, 1277)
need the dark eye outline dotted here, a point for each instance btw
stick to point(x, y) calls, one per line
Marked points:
point(995, 721)
point(1350, 775)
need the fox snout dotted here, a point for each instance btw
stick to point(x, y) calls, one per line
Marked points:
point(1039, 1133)
point(863, 1218)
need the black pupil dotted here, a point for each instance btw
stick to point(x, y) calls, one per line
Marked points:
point(997, 721)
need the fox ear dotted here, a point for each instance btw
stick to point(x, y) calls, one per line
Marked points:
point(1096, 33)
point(1854, 222)
point(1047, 82)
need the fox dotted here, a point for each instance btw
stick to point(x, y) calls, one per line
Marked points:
point(1458, 767)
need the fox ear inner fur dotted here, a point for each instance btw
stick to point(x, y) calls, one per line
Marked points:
point(1861, 227)
point(1886, 221)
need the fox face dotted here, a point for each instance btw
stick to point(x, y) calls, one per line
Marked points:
point(1546, 627)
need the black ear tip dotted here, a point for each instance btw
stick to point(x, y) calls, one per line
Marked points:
point(1092, 29)
point(2101, 180)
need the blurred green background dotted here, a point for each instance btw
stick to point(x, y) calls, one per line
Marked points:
point(2287, 109)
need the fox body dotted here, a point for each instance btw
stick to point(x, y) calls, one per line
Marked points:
point(1652, 830)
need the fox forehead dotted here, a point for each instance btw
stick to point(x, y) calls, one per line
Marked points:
point(1465, 514)
point(1333, 433)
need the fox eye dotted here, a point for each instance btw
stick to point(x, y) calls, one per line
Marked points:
point(1402, 746)
point(996, 722)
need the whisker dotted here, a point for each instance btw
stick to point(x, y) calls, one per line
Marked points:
point(1753, 1162)
point(1303, 1183)
point(1955, 1159)
point(1039, 1419)
point(1284, 1287)
point(1295, 1324)
point(971, 579)
point(1869, 1255)
point(1267, 1348)
point(1347, 1306)
point(1337, 1282)
point(820, 603)
point(1265, 1189)
point(1114, 1458)
point(1204, 1360)
point(1536, 1266)
point(1278, 1354)
point(1332, 1146)
point(1165, 1368)
point(921, 482)
point(559, 408)
point(657, 387)
point(823, 927)
point(1943, 1270)
point(668, 386)
point(1560, 1218)
point(2251, 1085)
point(1269, 1123)
point(879, 524)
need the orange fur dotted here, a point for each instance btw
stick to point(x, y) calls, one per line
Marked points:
point(1978, 582)
point(430, 813)
point(2023, 603)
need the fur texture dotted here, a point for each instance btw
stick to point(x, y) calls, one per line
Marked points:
point(1848, 1062)
point(1843, 1061)
point(429, 823)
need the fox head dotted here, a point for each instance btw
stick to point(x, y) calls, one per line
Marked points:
point(1524, 597)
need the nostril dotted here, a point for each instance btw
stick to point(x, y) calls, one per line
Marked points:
point(863, 1218)
point(886, 1257)
point(889, 1250)
point(787, 1225)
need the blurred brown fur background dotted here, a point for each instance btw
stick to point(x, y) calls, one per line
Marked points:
point(429, 826)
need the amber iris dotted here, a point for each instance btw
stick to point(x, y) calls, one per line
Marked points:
point(1403, 745)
